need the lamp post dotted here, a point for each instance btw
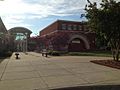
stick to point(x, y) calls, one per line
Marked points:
point(26, 41)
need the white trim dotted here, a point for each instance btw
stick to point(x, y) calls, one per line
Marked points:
point(82, 38)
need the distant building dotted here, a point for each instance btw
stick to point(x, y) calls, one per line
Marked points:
point(59, 36)
point(14, 39)
point(67, 36)
point(21, 37)
point(4, 39)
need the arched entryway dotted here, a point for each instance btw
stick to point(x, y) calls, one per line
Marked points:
point(20, 36)
point(78, 43)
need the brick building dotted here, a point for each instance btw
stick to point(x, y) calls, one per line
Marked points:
point(67, 36)
point(4, 38)
point(14, 39)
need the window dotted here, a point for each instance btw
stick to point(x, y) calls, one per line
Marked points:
point(76, 40)
point(63, 26)
point(74, 27)
point(80, 27)
point(1, 34)
point(69, 27)
point(20, 36)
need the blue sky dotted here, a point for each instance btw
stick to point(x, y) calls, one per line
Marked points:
point(37, 14)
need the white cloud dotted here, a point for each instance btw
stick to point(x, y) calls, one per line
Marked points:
point(44, 8)
point(15, 21)
point(16, 12)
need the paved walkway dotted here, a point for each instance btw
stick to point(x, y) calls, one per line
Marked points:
point(34, 72)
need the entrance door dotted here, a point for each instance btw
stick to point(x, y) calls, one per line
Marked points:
point(76, 45)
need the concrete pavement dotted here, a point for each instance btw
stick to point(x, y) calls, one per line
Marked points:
point(34, 72)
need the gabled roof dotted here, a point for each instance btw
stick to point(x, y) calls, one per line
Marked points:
point(2, 27)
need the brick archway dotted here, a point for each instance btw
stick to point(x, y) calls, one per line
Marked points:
point(78, 43)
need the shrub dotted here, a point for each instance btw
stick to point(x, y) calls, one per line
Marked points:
point(57, 53)
point(5, 54)
point(9, 53)
point(54, 53)
point(50, 52)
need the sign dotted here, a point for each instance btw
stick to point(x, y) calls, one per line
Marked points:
point(75, 41)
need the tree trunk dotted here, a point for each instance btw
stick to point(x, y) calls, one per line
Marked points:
point(113, 54)
point(117, 50)
point(115, 47)
point(117, 55)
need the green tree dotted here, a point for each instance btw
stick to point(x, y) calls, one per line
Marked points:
point(105, 20)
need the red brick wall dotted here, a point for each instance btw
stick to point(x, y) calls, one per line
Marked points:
point(91, 37)
point(60, 38)
point(49, 29)
point(58, 26)
point(60, 22)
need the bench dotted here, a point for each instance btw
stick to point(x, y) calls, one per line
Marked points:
point(44, 52)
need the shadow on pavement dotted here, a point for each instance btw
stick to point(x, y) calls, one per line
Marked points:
point(1, 59)
point(98, 87)
point(39, 55)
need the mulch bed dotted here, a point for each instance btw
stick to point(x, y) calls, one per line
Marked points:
point(109, 63)
point(92, 87)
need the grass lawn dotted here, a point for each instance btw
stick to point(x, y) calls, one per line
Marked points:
point(92, 53)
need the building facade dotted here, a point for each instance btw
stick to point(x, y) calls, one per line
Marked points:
point(67, 36)
point(61, 35)
point(14, 39)
point(4, 38)
point(21, 37)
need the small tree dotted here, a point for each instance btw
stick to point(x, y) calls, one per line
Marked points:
point(106, 21)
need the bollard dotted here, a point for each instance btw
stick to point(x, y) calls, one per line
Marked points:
point(46, 54)
point(42, 54)
point(17, 54)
